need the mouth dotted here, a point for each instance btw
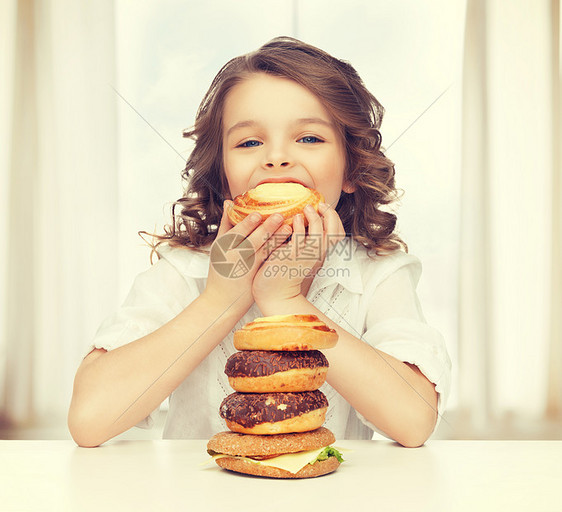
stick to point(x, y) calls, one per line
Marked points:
point(281, 179)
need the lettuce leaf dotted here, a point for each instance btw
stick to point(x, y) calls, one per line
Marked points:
point(329, 451)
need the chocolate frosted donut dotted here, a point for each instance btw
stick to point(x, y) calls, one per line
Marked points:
point(274, 413)
point(260, 371)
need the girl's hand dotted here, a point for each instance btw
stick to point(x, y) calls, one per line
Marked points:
point(291, 267)
point(236, 255)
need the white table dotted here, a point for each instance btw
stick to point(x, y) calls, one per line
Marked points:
point(377, 475)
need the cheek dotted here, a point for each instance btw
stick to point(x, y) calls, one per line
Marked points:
point(238, 169)
point(330, 187)
point(333, 180)
point(232, 175)
point(237, 185)
point(332, 197)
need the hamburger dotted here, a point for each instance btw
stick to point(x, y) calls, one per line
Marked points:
point(295, 455)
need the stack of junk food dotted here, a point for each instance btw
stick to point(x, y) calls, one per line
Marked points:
point(276, 414)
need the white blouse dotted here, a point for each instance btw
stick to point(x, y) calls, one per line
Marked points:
point(373, 299)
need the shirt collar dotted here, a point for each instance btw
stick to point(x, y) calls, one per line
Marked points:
point(343, 266)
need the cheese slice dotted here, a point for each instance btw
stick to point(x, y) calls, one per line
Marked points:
point(292, 462)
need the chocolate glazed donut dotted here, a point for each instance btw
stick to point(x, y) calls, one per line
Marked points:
point(261, 371)
point(274, 413)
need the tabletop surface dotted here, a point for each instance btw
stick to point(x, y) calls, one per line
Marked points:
point(377, 475)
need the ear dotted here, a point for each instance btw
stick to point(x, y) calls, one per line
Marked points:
point(348, 188)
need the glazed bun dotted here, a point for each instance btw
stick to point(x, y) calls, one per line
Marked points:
point(260, 371)
point(288, 199)
point(274, 413)
point(285, 332)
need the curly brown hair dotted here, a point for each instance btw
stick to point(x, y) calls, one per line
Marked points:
point(357, 114)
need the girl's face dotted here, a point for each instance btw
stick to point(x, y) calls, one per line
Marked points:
point(276, 130)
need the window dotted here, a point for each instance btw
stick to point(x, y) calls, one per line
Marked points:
point(409, 55)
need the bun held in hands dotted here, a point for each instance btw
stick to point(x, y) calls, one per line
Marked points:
point(288, 199)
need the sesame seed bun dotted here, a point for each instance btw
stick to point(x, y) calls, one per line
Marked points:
point(247, 445)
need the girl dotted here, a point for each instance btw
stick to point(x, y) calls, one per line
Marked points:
point(287, 112)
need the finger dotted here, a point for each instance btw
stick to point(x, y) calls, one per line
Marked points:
point(225, 223)
point(331, 218)
point(246, 225)
point(299, 225)
point(323, 208)
point(262, 234)
point(333, 226)
point(276, 240)
point(316, 241)
point(298, 240)
point(315, 224)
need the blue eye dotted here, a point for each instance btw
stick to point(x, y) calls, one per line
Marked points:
point(250, 144)
point(310, 139)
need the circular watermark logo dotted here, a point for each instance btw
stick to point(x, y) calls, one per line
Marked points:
point(232, 255)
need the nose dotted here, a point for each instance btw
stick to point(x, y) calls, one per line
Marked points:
point(275, 163)
point(277, 156)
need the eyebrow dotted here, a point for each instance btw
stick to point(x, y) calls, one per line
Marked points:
point(304, 120)
point(241, 124)
point(314, 120)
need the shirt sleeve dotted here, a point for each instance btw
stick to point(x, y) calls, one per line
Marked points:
point(156, 296)
point(395, 325)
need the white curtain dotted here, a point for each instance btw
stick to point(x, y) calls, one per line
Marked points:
point(510, 337)
point(59, 198)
